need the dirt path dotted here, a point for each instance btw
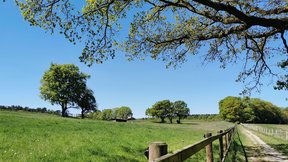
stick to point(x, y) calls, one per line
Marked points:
point(265, 153)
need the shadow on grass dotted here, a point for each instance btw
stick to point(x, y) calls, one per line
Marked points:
point(283, 148)
point(152, 121)
point(111, 157)
point(253, 151)
point(189, 123)
point(167, 122)
point(237, 150)
point(256, 152)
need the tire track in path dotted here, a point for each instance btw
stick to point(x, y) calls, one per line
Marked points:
point(267, 153)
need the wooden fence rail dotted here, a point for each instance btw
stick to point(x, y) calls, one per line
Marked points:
point(158, 150)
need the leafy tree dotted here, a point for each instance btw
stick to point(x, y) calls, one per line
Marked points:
point(285, 115)
point(123, 112)
point(86, 102)
point(266, 112)
point(285, 111)
point(249, 115)
point(160, 110)
point(61, 85)
point(170, 112)
point(251, 110)
point(233, 30)
point(107, 114)
point(150, 112)
point(95, 115)
point(181, 110)
point(231, 108)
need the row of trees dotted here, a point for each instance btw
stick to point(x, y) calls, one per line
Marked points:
point(251, 110)
point(65, 85)
point(209, 117)
point(122, 112)
point(28, 109)
point(167, 109)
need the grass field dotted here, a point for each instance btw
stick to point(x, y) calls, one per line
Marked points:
point(41, 137)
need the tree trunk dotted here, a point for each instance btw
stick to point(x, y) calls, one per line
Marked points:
point(162, 120)
point(64, 108)
point(170, 119)
point(64, 112)
point(82, 114)
point(179, 120)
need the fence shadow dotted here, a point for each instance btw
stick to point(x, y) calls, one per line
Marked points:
point(253, 151)
point(237, 150)
point(283, 148)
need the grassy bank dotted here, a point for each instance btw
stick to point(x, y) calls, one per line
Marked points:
point(41, 137)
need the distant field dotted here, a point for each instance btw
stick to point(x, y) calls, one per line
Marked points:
point(41, 137)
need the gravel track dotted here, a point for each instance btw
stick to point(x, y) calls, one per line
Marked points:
point(267, 153)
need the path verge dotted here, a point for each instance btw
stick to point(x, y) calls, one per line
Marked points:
point(262, 151)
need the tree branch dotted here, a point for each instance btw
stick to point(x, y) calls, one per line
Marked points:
point(224, 33)
point(284, 41)
point(249, 20)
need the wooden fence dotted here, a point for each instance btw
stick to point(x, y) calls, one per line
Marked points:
point(279, 133)
point(158, 150)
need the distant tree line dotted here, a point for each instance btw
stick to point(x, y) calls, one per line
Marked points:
point(20, 108)
point(251, 110)
point(167, 109)
point(123, 112)
point(210, 117)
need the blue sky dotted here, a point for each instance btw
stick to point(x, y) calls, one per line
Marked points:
point(26, 52)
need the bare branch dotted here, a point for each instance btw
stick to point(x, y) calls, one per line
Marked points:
point(284, 41)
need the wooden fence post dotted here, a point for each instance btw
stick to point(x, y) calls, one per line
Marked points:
point(209, 150)
point(156, 150)
point(226, 141)
point(220, 145)
point(229, 136)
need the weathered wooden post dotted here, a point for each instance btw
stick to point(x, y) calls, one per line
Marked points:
point(229, 136)
point(226, 141)
point(156, 150)
point(220, 145)
point(209, 150)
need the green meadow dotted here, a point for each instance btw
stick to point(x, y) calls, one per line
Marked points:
point(41, 137)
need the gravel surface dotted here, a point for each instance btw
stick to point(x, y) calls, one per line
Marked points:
point(267, 153)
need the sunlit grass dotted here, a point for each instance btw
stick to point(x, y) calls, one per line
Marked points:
point(41, 137)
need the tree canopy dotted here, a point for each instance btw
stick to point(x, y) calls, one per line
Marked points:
point(62, 85)
point(231, 108)
point(169, 30)
point(123, 112)
point(107, 114)
point(167, 109)
point(251, 110)
point(86, 102)
point(160, 109)
point(181, 110)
